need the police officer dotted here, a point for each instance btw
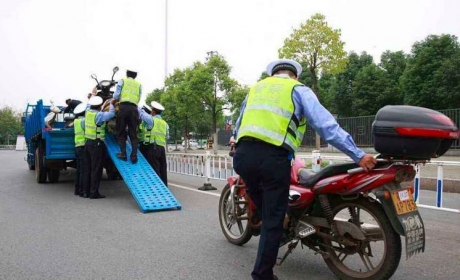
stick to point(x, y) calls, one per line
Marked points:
point(94, 126)
point(128, 91)
point(79, 113)
point(268, 132)
point(156, 132)
point(144, 135)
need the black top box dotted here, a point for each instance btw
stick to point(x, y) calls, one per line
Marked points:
point(412, 133)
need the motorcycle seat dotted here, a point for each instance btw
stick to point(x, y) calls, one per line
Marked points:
point(335, 169)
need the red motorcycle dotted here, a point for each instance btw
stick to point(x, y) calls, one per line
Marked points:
point(354, 219)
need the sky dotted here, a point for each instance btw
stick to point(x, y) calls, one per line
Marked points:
point(49, 48)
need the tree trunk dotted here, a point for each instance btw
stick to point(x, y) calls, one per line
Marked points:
point(186, 134)
point(315, 88)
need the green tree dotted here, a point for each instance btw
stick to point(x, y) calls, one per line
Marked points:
point(339, 93)
point(372, 89)
point(10, 125)
point(212, 84)
point(235, 99)
point(394, 63)
point(317, 45)
point(430, 64)
point(155, 95)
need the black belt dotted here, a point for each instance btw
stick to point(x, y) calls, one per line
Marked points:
point(251, 139)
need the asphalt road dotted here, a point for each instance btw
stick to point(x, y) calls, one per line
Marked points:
point(48, 233)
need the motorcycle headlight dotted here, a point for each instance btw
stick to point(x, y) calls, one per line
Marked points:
point(105, 83)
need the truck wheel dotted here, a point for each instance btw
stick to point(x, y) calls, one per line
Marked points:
point(53, 175)
point(40, 170)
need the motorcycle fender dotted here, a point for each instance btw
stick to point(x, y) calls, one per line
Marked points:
point(231, 180)
point(387, 205)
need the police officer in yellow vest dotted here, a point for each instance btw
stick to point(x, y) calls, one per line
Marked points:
point(79, 113)
point(128, 91)
point(156, 133)
point(145, 128)
point(269, 130)
point(94, 126)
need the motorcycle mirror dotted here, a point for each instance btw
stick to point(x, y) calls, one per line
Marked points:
point(94, 76)
point(115, 70)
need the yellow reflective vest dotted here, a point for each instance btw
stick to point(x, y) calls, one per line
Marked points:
point(93, 131)
point(157, 134)
point(79, 132)
point(269, 114)
point(130, 92)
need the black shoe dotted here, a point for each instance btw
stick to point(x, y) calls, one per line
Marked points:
point(85, 195)
point(76, 192)
point(122, 156)
point(97, 196)
point(81, 195)
point(133, 158)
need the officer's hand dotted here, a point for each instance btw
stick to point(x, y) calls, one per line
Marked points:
point(367, 162)
point(113, 101)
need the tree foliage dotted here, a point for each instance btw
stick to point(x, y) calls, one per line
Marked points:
point(317, 45)
point(429, 78)
point(10, 125)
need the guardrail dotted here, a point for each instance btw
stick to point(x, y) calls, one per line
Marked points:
point(7, 147)
point(220, 167)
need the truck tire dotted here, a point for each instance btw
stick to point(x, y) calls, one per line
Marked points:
point(40, 170)
point(53, 175)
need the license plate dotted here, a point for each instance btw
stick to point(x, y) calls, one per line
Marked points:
point(403, 201)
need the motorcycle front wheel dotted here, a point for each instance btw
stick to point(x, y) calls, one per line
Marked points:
point(377, 257)
point(233, 217)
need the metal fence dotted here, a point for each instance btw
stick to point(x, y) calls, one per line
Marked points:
point(220, 167)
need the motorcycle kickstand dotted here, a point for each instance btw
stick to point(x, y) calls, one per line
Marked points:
point(292, 245)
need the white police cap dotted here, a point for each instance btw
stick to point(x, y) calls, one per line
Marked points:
point(147, 108)
point(79, 109)
point(158, 106)
point(284, 64)
point(95, 100)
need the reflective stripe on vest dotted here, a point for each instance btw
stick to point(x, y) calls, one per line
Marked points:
point(130, 92)
point(269, 114)
point(158, 133)
point(93, 131)
point(79, 133)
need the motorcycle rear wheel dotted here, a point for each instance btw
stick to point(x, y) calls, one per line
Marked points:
point(377, 228)
point(228, 218)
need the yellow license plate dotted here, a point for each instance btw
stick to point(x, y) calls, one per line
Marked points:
point(403, 201)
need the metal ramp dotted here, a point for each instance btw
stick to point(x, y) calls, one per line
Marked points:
point(148, 190)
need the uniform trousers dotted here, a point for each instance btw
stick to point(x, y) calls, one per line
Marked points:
point(159, 163)
point(94, 163)
point(127, 116)
point(266, 170)
point(80, 174)
point(147, 152)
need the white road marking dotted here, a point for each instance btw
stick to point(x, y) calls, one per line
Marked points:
point(192, 189)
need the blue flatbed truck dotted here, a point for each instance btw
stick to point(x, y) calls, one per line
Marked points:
point(48, 151)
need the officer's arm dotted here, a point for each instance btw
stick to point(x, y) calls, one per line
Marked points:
point(118, 87)
point(238, 121)
point(167, 131)
point(324, 123)
point(140, 92)
point(102, 117)
point(146, 118)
